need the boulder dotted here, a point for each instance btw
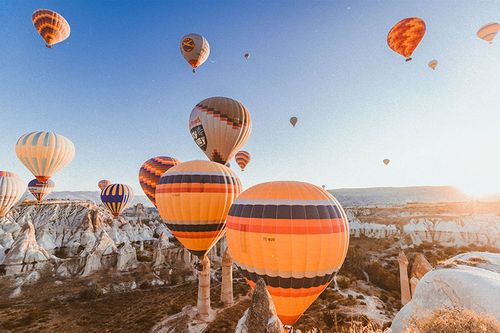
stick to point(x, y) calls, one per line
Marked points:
point(465, 281)
point(25, 253)
point(127, 258)
point(261, 316)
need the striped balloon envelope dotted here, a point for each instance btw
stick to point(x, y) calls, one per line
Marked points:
point(12, 189)
point(242, 158)
point(151, 172)
point(116, 197)
point(193, 198)
point(40, 190)
point(102, 184)
point(44, 153)
point(405, 36)
point(220, 126)
point(294, 236)
point(51, 26)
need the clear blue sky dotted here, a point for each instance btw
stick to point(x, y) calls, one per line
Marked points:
point(121, 91)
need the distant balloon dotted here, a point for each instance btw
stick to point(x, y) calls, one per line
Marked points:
point(44, 153)
point(151, 172)
point(193, 199)
point(433, 64)
point(12, 188)
point(116, 197)
point(294, 121)
point(247, 56)
point(386, 161)
point(242, 158)
point(40, 190)
point(405, 36)
point(488, 32)
point(294, 236)
point(195, 49)
point(103, 184)
point(220, 126)
point(51, 26)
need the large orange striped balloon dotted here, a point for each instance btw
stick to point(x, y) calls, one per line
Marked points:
point(193, 198)
point(405, 36)
point(293, 235)
point(151, 171)
point(220, 126)
point(51, 26)
point(242, 158)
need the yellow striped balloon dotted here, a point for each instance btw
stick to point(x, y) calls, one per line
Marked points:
point(116, 197)
point(294, 236)
point(193, 198)
point(51, 26)
point(488, 32)
point(242, 158)
point(12, 189)
point(195, 49)
point(220, 126)
point(44, 153)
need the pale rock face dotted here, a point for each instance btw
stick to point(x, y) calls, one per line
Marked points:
point(95, 259)
point(127, 258)
point(160, 246)
point(261, 316)
point(420, 266)
point(25, 253)
point(467, 280)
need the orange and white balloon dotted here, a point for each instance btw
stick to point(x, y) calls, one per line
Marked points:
point(195, 49)
point(12, 189)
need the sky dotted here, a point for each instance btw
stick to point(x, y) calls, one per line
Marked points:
point(122, 92)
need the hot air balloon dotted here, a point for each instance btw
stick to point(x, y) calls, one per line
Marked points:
point(294, 121)
point(151, 171)
point(242, 158)
point(220, 126)
point(12, 189)
point(386, 161)
point(51, 26)
point(433, 64)
point(294, 236)
point(488, 32)
point(405, 36)
point(40, 190)
point(102, 184)
point(116, 197)
point(44, 153)
point(193, 198)
point(195, 50)
point(247, 56)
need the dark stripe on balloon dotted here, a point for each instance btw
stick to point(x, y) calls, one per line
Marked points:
point(196, 227)
point(287, 283)
point(310, 212)
point(204, 179)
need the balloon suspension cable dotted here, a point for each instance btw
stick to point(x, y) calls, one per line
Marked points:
point(408, 59)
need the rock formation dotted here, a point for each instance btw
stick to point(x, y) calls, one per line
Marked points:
point(465, 281)
point(261, 316)
point(159, 247)
point(25, 254)
point(403, 278)
point(95, 257)
point(420, 266)
point(127, 258)
point(203, 303)
point(226, 292)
